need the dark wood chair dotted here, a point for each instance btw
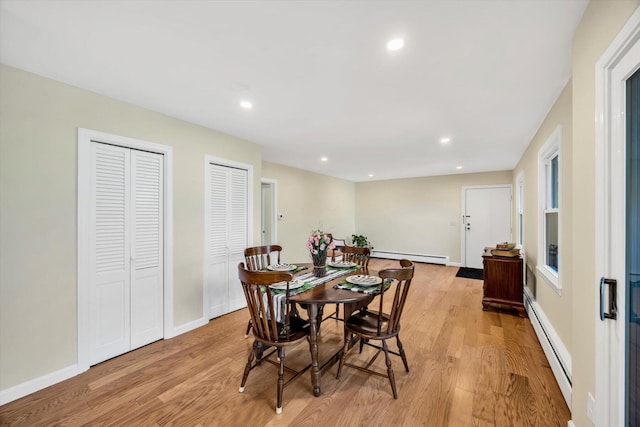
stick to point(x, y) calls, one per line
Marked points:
point(381, 326)
point(267, 330)
point(259, 258)
point(335, 254)
point(357, 255)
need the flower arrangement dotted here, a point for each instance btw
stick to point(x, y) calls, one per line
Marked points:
point(319, 243)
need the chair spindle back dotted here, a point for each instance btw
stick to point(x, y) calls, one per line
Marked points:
point(259, 257)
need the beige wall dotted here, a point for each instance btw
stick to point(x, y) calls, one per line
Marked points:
point(39, 119)
point(415, 215)
point(554, 306)
point(309, 201)
point(599, 26)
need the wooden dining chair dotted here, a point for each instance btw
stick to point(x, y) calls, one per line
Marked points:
point(380, 326)
point(335, 254)
point(268, 330)
point(357, 255)
point(259, 258)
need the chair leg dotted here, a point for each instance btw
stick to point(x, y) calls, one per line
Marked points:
point(280, 380)
point(337, 312)
point(401, 351)
point(392, 378)
point(249, 326)
point(247, 367)
point(345, 348)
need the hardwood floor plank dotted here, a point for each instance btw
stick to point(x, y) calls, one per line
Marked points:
point(467, 368)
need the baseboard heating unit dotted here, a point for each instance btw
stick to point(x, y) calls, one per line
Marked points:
point(431, 259)
point(555, 351)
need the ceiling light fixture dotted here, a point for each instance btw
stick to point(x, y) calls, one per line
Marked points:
point(323, 159)
point(370, 175)
point(458, 167)
point(395, 44)
point(247, 105)
point(445, 140)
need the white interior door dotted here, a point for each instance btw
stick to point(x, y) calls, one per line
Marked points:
point(227, 233)
point(126, 250)
point(269, 216)
point(147, 248)
point(487, 220)
point(109, 252)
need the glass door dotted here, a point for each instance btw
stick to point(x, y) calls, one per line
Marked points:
point(632, 279)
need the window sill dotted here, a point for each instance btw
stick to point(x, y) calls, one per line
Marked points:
point(550, 277)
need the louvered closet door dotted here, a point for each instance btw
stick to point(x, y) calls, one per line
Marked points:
point(146, 248)
point(226, 237)
point(237, 235)
point(126, 283)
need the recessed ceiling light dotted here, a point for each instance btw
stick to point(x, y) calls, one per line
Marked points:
point(445, 140)
point(370, 175)
point(395, 44)
point(247, 105)
point(458, 167)
point(323, 159)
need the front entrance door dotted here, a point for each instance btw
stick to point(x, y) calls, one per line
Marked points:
point(487, 220)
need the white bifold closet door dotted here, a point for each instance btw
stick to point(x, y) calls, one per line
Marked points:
point(226, 237)
point(126, 250)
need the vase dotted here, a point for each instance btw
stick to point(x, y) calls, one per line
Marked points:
point(320, 266)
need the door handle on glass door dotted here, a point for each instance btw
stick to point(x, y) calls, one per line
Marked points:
point(613, 305)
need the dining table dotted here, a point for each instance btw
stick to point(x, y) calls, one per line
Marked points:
point(314, 299)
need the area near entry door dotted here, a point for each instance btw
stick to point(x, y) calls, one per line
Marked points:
point(486, 220)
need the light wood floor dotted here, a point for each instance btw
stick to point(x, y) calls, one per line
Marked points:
point(468, 368)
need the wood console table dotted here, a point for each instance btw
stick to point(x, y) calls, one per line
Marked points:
point(503, 283)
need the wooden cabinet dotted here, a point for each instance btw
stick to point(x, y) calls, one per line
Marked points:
point(503, 283)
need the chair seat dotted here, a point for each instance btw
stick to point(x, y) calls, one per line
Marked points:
point(298, 328)
point(366, 323)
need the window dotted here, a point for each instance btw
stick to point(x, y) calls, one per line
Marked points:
point(520, 211)
point(549, 217)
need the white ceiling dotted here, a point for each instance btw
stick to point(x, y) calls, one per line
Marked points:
point(484, 73)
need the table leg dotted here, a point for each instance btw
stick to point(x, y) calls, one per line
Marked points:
point(312, 310)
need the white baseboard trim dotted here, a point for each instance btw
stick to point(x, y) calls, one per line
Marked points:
point(454, 264)
point(432, 259)
point(186, 327)
point(555, 351)
point(36, 384)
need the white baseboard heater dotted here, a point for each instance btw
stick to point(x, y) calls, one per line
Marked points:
point(431, 259)
point(555, 351)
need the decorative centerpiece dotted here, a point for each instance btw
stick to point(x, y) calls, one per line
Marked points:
point(319, 243)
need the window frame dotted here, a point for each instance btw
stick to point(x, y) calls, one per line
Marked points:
point(520, 211)
point(551, 149)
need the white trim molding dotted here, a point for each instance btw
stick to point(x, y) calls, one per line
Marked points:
point(36, 384)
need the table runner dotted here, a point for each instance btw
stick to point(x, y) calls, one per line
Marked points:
point(310, 282)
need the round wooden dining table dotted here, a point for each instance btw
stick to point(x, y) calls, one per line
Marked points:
point(314, 299)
